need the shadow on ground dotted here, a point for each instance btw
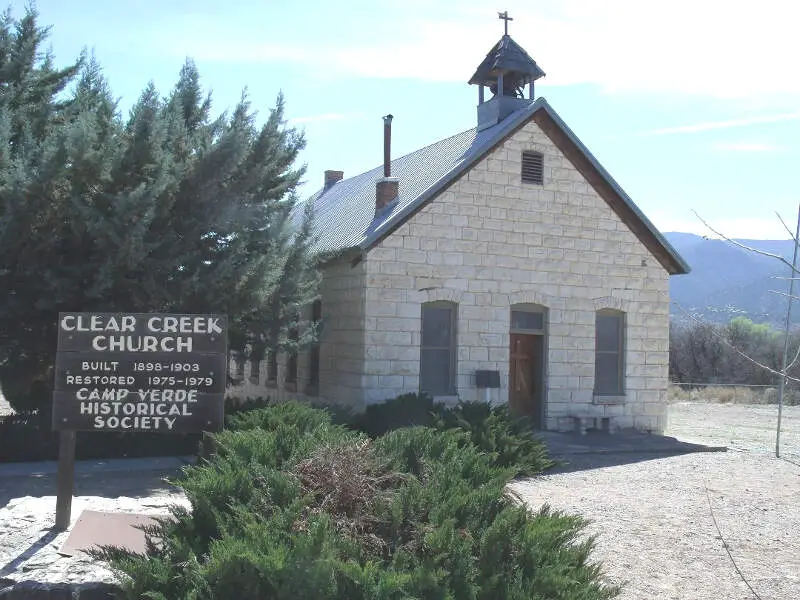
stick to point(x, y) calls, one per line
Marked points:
point(47, 537)
point(133, 478)
point(596, 450)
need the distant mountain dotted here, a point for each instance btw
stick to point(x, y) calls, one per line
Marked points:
point(727, 281)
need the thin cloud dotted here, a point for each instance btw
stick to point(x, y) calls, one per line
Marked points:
point(632, 43)
point(746, 147)
point(732, 123)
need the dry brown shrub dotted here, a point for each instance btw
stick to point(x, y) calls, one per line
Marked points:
point(791, 397)
point(346, 482)
point(676, 393)
point(722, 395)
point(731, 395)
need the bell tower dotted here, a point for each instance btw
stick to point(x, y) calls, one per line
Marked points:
point(506, 70)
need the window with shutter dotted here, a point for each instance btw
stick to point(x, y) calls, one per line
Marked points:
point(272, 367)
point(437, 369)
point(255, 367)
point(609, 363)
point(533, 167)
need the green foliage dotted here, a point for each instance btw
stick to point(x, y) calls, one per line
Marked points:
point(167, 209)
point(406, 410)
point(415, 513)
point(742, 328)
point(508, 439)
point(235, 405)
point(301, 417)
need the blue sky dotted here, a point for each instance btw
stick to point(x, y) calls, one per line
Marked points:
point(690, 104)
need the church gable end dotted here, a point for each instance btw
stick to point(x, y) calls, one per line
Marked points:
point(585, 164)
point(489, 238)
point(501, 264)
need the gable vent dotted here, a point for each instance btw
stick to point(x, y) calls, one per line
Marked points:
point(533, 167)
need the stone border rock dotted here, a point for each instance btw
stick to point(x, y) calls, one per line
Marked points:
point(35, 569)
point(5, 407)
point(32, 590)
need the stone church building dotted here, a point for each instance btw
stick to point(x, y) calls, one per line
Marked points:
point(502, 263)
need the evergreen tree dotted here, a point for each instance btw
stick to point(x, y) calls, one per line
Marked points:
point(170, 209)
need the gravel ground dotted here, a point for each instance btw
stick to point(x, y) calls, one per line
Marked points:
point(740, 427)
point(28, 547)
point(655, 515)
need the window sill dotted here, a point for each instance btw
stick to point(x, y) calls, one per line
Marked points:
point(272, 383)
point(608, 399)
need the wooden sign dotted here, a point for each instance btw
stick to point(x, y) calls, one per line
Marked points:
point(135, 372)
point(140, 372)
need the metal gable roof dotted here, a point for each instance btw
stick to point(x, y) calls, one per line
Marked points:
point(506, 56)
point(344, 214)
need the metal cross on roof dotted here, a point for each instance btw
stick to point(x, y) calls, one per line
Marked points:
point(504, 15)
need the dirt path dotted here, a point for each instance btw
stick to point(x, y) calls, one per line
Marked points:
point(655, 515)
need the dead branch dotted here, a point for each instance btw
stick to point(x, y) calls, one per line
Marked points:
point(722, 339)
point(797, 354)
point(795, 359)
point(786, 227)
point(346, 482)
point(749, 248)
point(780, 293)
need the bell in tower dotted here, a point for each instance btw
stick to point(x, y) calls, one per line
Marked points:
point(510, 88)
point(506, 70)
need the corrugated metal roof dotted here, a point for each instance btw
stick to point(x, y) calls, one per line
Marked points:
point(344, 214)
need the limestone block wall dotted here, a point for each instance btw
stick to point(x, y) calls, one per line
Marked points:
point(341, 347)
point(489, 242)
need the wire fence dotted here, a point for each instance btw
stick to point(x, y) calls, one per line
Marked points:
point(734, 393)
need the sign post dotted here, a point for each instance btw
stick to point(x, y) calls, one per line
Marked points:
point(66, 479)
point(135, 372)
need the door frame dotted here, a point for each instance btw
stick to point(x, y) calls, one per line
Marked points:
point(543, 362)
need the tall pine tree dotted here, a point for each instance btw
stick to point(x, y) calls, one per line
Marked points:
point(170, 209)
